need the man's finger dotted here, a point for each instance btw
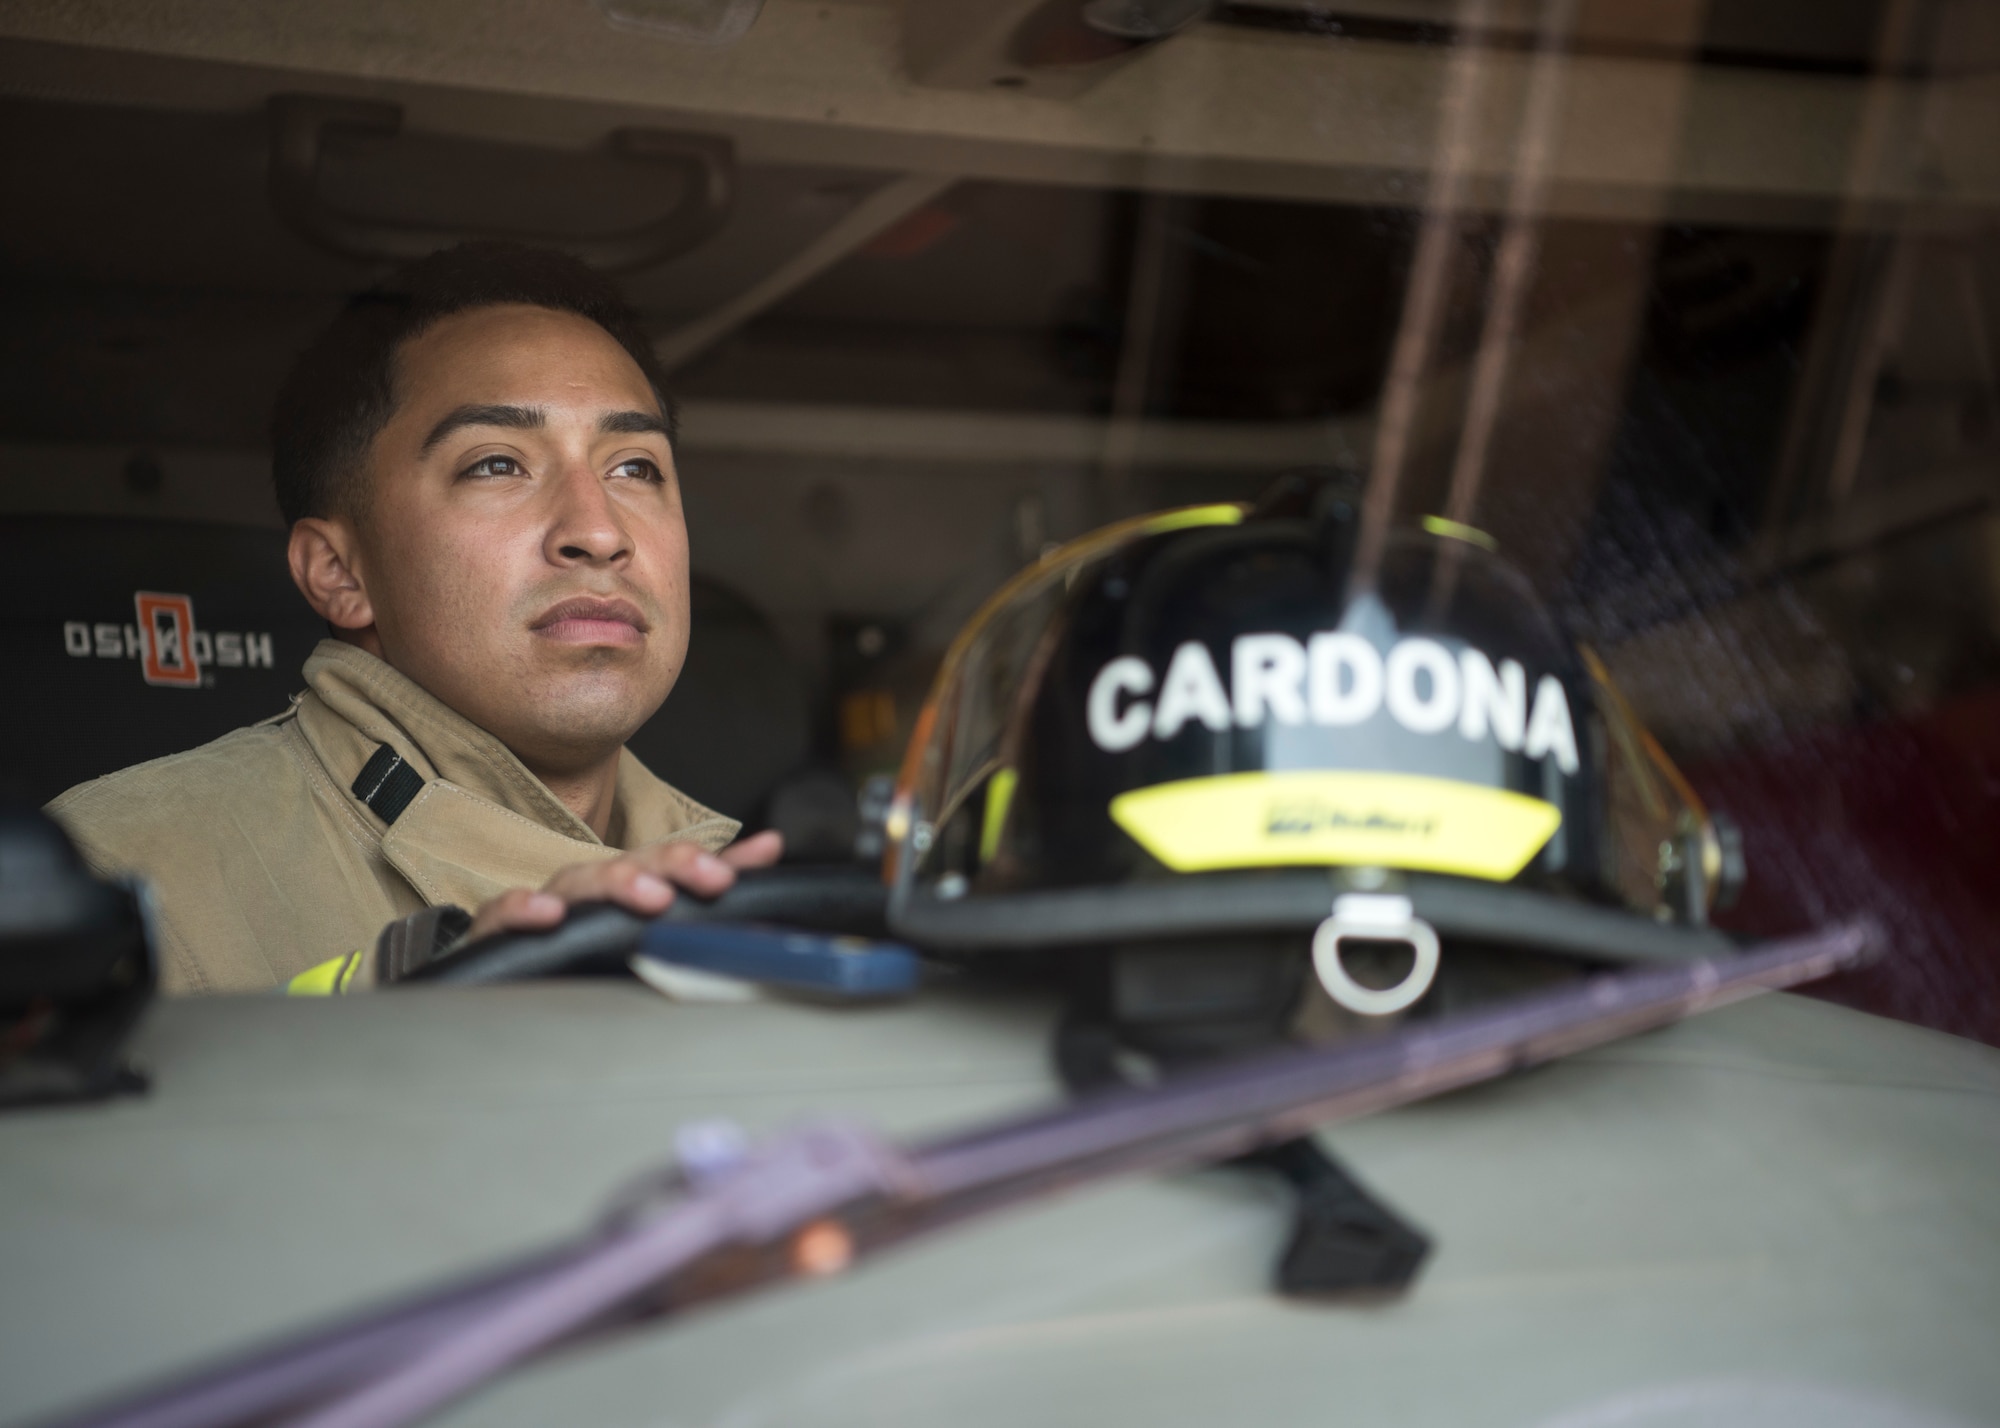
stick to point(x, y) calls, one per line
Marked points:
point(759, 850)
point(685, 865)
point(520, 910)
point(626, 881)
point(642, 880)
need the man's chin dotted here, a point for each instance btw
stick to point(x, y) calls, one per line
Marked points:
point(576, 723)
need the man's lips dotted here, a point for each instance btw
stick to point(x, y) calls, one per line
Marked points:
point(587, 620)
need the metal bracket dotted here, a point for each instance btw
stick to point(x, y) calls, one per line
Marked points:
point(1374, 917)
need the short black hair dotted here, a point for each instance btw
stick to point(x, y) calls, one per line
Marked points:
point(341, 391)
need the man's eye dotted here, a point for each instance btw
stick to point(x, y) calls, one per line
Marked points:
point(639, 468)
point(493, 466)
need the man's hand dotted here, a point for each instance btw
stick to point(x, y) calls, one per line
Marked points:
point(642, 880)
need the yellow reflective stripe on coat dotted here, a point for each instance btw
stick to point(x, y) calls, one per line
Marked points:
point(1337, 817)
point(328, 979)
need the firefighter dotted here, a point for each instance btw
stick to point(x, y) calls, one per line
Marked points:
point(477, 466)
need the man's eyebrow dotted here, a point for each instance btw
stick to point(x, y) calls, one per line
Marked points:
point(632, 423)
point(519, 418)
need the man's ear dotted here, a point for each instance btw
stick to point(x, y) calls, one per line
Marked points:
point(322, 554)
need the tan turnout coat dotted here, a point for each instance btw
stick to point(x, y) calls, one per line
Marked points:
point(266, 863)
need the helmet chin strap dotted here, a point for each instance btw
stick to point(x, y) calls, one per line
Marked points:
point(1344, 1239)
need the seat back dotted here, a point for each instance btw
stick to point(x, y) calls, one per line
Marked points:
point(740, 719)
point(127, 640)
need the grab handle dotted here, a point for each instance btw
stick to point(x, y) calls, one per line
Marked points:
point(299, 126)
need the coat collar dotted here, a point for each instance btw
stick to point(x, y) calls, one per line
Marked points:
point(356, 702)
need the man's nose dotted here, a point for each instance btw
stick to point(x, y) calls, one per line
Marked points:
point(584, 527)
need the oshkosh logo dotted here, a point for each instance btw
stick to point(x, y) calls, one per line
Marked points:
point(171, 651)
point(1333, 678)
point(166, 625)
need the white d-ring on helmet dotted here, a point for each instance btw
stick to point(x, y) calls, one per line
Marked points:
point(1374, 917)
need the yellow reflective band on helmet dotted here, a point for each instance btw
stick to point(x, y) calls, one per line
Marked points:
point(328, 979)
point(999, 795)
point(1459, 530)
point(1189, 516)
point(1337, 816)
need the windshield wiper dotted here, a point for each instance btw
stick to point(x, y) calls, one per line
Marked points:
point(812, 1201)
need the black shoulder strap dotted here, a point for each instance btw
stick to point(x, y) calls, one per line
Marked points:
point(387, 783)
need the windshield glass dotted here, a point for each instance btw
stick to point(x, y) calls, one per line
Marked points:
point(1691, 308)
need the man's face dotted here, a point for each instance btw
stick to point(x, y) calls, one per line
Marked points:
point(522, 545)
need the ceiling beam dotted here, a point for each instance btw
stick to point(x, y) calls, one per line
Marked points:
point(961, 439)
point(868, 220)
point(1281, 116)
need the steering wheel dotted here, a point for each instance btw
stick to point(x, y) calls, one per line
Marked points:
point(599, 938)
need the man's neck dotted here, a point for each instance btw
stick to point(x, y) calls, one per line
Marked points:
point(592, 795)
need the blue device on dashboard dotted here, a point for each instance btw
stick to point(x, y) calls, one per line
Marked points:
point(785, 957)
